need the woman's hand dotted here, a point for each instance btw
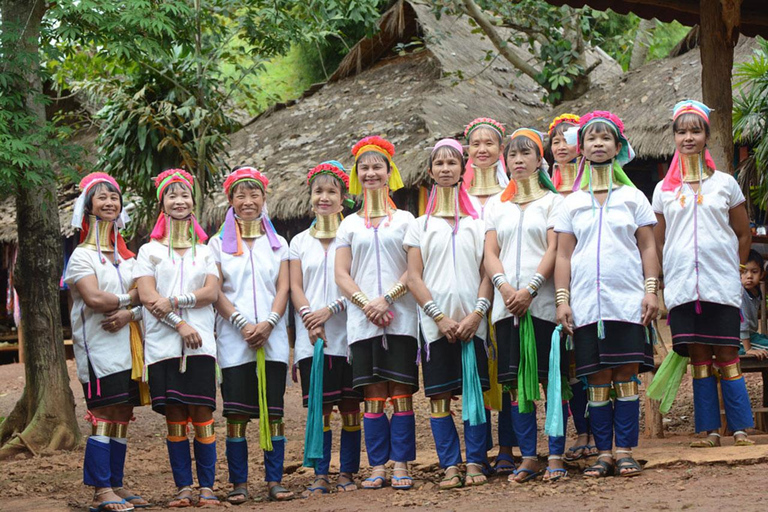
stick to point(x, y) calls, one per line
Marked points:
point(160, 307)
point(190, 336)
point(650, 308)
point(521, 301)
point(449, 327)
point(116, 320)
point(316, 318)
point(508, 296)
point(565, 318)
point(316, 334)
point(468, 327)
point(376, 311)
point(759, 353)
point(260, 335)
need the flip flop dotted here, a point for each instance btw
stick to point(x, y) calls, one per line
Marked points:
point(744, 441)
point(582, 448)
point(238, 491)
point(530, 474)
point(313, 487)
point(475, 475)
point(447, 478)
point(130, 499)
point(103, 504)
point(711, 441)
point(373, 480)
point(628, 463)
point(343, 487)
point(504, 470)
point(208, 501)
point(181, 502)
point(555, 475)
point(278, 489)
point(401, 487)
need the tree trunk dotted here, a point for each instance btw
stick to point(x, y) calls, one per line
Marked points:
point(642, 43)
point(718, 36)
point(44, 417)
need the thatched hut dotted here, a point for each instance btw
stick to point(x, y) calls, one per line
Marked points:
point(643, 99)
point(417, 80)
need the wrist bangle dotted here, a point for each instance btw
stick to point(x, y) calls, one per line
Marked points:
point(535, 283)
point(433, 311)
point(186, 301)
point(172, 320)
point(337, 306)
point(123, 300)
point(562, 296)
point(136, 313)
point(273, 319)
point(238, 320)
point(652, 285)
point(482, 306)
point(304, 311)
point(359, 299)
point(498, 280)
point(394, 293)
point(439, 317)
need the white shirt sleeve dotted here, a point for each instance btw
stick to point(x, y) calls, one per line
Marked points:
point(658, 205)
point(78, 268)
point(554, 211)
point(735, 196)
point(412, 238)
point(563, 220)
point(210, 265)
point(490, 218)
point(144, 266)
point(214, 243)
point(293, 249)
point(644, 215)
point(343, 236)
point(283, 252)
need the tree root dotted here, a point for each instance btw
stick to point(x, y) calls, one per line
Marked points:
point(41, 435)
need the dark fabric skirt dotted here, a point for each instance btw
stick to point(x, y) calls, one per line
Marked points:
point(372, 363)
point(196, 386)
point(624, 343)
point(442, 368)
point(113, 389)
point(716, 325)
point(240, 389)
point(508, 339)
point(337, 380)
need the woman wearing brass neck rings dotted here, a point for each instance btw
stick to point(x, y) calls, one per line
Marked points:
point(520, 248)
point(100, 280)
point(382, 326)
point(178, 283)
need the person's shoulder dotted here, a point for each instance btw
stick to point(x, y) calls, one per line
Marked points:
point(214, 242)
point(299, 239)
point(405, 215)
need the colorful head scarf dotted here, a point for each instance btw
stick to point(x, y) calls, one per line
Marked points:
point(383, 147)
point(336, 169)
point(674, 176)
point(463, 203)
point(537, 137)
point(571, 119)
point(81, 222)
point(162, 226)
point(231, 238)
point(501, 170)
point(626, 154)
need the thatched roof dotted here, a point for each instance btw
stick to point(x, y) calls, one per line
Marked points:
point(413, 98)
point(67, 196)
point(644, 98)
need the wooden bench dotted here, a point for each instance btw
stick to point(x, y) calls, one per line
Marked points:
point(750, 364)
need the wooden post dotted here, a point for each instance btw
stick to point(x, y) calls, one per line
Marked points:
point(718, 35)
point(654, 422)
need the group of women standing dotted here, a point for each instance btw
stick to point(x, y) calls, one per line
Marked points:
point(514, 277)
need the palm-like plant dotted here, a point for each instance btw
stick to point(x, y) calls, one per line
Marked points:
point(750, 121)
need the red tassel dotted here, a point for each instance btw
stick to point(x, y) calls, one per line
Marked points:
point(89, 390)
point(698, 307)
point(98, 387)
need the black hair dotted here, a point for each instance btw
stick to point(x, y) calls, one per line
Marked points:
point(690, 119)
point(559, 129)
point(444, 152)
point(330, 179)
point(520, 143)
point(96, 188)
point(247, 185)
point(599, 127)
point(489, 128)
point(375, 155)
point(173, 187)
point(755, 257)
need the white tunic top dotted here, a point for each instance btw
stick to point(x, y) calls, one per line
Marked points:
point(108, 352)
point(176, 275)
point(482, 209)
point(451, 268)
point(250, 284)
point(607, 280)
point(701, 233)
point(522, 237)
point(378, 261)
point(317, 272)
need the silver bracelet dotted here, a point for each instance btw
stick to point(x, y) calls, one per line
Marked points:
point(498, 280)
point(483, 305)
point(186, 301)
point(136, 313)
point(172, 320)
point(432, 310)
point(238, 320)
point(123, 300)
point(273, 318)
point(535, 283)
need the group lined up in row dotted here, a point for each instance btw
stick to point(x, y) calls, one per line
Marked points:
point(503, 255)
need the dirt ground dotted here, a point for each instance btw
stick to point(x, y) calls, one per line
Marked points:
point(737, 480)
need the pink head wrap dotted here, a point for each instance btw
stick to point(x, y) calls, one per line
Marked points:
point(162, 226)
point(674, 177)
point(463, 202)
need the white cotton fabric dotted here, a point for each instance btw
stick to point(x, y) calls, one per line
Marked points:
point(718, 246)
point(378, 261)
point(606, 255)
point(452, 270)
point(176, 275)
point(257, 268)
point(317, 273)
point(482, 209)
point(109, 352)
point(522, 237)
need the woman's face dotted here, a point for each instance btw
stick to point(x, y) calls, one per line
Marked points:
point(690, 138)
point(522, 162)
point(372, 171)
point(446, 168)
point(178, 202)
point(105, 204)
point(562, 151)
point(484, 147)
point(247, 202)
point(600, 146)
point(326, 195)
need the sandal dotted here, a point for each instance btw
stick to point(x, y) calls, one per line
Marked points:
point(742, 441)
point(591, 451)
point(207, 501)
point(476, 474)
point(395, 481)
point(238, 491)
point(131, 498)
point(376, 481)
point(279, 489)
point(506, 469)
point(627, 463)
point(711, 441)
point(102, 507)
point(344, 487)
point(182, 501)
point(451, 478)
point(552, 475)
point(602, 468)
point(322, 488)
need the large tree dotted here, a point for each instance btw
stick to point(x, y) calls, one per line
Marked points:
point(44, 417)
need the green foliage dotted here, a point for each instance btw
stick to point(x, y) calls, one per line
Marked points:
point(750, 113)
point(665, 37)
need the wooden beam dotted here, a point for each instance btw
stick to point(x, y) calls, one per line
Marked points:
point(719, 34)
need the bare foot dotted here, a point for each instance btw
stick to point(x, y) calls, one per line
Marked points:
point(346, 483)
point(475, 475)
point(183, 498)
point(452, 478)
point(104, 494)
point(377, 478)
point(125, 494)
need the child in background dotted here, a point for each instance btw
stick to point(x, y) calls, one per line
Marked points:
point(752, 342)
